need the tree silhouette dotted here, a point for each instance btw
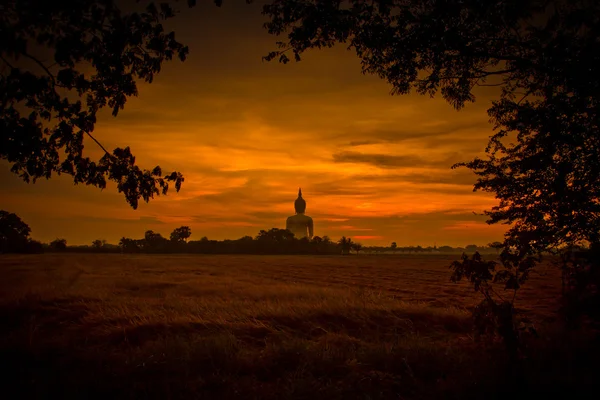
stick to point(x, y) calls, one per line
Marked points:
point(154, 241)
point(181, 234)
point(471, 247)
point(59, 244)
point(494, 314)
point(128, 245)
point(14, 233)
point(394, 246)
point(357, 247)
point(275, 235)
point(47, 108)
point(97, 244)
point(345, 244)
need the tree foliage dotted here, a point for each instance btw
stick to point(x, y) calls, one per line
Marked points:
point(181, 234)
point(495, 314)
point(14, 233)
point(580, 267)
point(345, 244)
point(58, 244)
point(272, 241)
point(154, 241)
point(275, 236)
point(61, 62)
point(357, 247)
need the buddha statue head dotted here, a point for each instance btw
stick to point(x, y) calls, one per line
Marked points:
point(300, 203)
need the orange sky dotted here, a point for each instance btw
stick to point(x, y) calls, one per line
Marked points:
point(246, 134)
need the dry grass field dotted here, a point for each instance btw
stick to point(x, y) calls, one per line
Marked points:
point(263, 327)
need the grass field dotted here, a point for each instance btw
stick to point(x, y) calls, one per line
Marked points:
point(264, 327)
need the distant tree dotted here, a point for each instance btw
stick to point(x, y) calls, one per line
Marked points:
point(275, 235)
point(275, 240)
point(14, 233)
point(357, 247)
point(34, 247)
point(471, 248)
point(58, 244)
point(128, 245)
point(394, 246)
point(305, 245)
point(245, 244)
point(154, 241)
point(317, 245)
point(97, 244)
point(345, 244)
point(445, 249)
point(181, 234)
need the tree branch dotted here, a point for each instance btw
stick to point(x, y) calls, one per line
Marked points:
point(97, 142)
point(501, 72)
point(41, 64)
point(7, 63)
point(489, 84)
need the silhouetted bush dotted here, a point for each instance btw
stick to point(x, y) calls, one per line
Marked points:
point(58, 245)
point(34, 247)
point(495, 315)
point(580, 268)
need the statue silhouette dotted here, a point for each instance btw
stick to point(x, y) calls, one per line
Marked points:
point(300, 225)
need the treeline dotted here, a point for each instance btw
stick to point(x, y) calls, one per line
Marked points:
point(14, 238)
point(273, 241)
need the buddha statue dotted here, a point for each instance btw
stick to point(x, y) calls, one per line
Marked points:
point(300, 225)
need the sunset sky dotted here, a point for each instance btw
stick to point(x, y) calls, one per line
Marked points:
point(246, 134)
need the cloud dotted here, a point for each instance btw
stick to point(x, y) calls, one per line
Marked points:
point(392, 161)
point(379, 160)
point(438, 133)
point(455, 178)
point(367, 237)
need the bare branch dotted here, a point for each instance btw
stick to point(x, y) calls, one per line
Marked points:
point(7, 63)
point(489, 84)
point(97, 142)
point(501, 72)
point(41, 64)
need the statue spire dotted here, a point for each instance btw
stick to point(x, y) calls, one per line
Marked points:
point(300, 203)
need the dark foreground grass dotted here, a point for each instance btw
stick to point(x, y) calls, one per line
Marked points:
point(184, 327)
